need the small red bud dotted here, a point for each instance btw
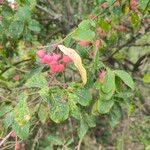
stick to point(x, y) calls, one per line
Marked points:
point(102, 76)
point(97, 44)
point(83, 43)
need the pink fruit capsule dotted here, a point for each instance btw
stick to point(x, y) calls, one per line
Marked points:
point(43, 61)
point(56, 68)
point(48, 58)
point(40, 53)
point(61, 68)
point(56, 56)
point(66, 59)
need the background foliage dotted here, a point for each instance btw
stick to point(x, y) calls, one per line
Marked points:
point(40, 110)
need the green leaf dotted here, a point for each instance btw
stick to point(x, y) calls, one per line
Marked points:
point(105, 106)
point(5, 109)
point(37, 80)
point(86, 24)
point(95, 109)
point(83, 128)
point(8, 120)
point(21, 131)
point(142, 4)
point(146, 78)
point(23, 14)
point(34, 26)
point(74, 109)
point(115, 115)
point(135, 20)
point(82, 34)
point(109, 82)
point(42, 113)
point(21, 112)
point(147, 147)
point(90, 120)
point(125, 77)
point(16, 29)
point(106, 96)
point(110, 2)
point(104, 25)
point(83, 97)
point(59, 111)
point(55, 140)
point(44, 93)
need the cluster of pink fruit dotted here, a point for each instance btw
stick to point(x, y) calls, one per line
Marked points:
point(55, 61)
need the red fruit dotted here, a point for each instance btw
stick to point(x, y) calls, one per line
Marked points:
point(48, 58)
point(61, 68)
point(83, 43)
point(40, 53)
point(133, 4)
point(56, 56)
point(66, 59)
point(17, 146)
point(43, 61)
point(97, 43)
point(104, 5)
point(102, 76)
point(56, 68)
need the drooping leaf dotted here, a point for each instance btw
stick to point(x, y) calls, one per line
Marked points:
point(83, 128)
point(21, 131)
point(76, 59)
point(125, 77)
point(115, 115)
point(21, 112)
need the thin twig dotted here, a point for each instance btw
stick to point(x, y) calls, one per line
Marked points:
point(4, 139)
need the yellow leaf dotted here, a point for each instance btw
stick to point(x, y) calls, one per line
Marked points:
point(76, 59)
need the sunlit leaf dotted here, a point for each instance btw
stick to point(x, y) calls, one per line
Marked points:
point(76, 59)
